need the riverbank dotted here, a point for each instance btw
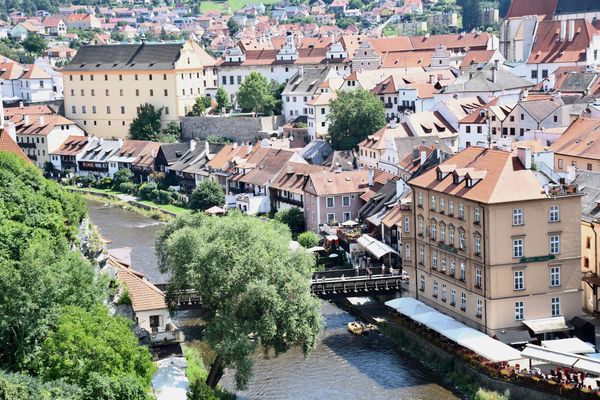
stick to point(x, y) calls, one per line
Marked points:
point(147, 208)
point(457, 374)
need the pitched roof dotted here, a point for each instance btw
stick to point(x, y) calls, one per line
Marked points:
point(549, 48)
point(581, 139)
point(505, 179)
point(8, 145)
point(173, 151)
point(36, 128)
point(539, 110)
point(588, 183)
point(227, 155)
point(307, 82)
point(72, 145)
point(267, 163)
point(144, 295)
point(482, 81)
point(10, 70)
point(333, 183)
point(452, 41)
point(32, 71)
point(379, 140)
point(476, 57)
point(294, 176)
point(521, 8)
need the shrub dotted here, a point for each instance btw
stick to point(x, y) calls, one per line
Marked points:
point(146, 190)
point(104, 183)
point(308, 239)
point(206, 195)
point(85, 181)
point(127, 187)
point(122, 175)
point(293, 217)
point(163, 197)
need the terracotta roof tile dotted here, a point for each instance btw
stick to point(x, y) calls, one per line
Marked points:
point(294, 176)
point(72, 145)
point(333, 183)
point(581, 139)
point(7, 144)
point(521, 8)
point(144, 295)
point(549, 48)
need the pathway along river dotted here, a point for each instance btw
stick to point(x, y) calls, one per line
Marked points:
point(342, 366)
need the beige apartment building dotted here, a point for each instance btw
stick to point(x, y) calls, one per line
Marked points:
point(105, 84)
point(495, 244)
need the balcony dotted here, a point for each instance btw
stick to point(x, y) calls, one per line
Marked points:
point(93, 168)
point(287, 200)
point(559, 190)
point(27, 145)
point(388, 105)
point(32, 157)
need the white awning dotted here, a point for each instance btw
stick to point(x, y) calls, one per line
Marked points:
point(472, 339)
point(565, 359)
point(547, 325)
point(571, 345)
point(374, 246)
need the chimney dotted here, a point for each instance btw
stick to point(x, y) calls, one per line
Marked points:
point(206, 147)
point(431, 79)
point(563, 30)
point(524, 154)
point(494, 74)
point(301, 70)
point(234, 145)
point(249, 150)
point(20, 104)
point(400, 185)
point(192, 145)
point(423, 157)
point(571, 30)
point(371, 175)
point(393, 123)
point(11, 130)
point(26, 119)
point(41, 120)
point(100, 141)
point(120, 143)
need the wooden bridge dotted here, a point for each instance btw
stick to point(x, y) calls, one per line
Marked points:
point(325, 285)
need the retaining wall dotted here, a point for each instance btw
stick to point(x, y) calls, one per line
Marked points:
point(235, 128)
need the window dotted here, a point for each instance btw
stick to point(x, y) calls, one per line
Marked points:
point(534, 74)
point(443, 263)
point(444, 292)
point(555, 306)
point(122, 109)
point(407, 251)
point(420, 199)
point(151, 92)
point(347, 216)
point(556, 118)
point(519, 311)
point(555, 276)
point(554, 244)
point(519, 280)
point(346, 201)
point(518, 216)
point(433, 230)
point(452, 267)
point(554, 213)
point(108, 109)
point(479, 311)
point(421, 254)
point(330, 217)
point(166, 110)
point(421, 226)
point(105, 77)
point(82, 92)
point(463, 271)
point(468, 129)
point(120, 77)
point(434, 260)
point(435, 289)
point(136, 77)
point(83, 109)
point(330, 202)
point(93, 109)
point(463, 301)
point(461, 239)
point(451, 236)
point(93, 92)
point(442, 205)
point(433, 203)
point(478, 278)
point(560, 163)
point(137, 92)
point(442, 232)
point(406, 224)
point(166, 92)
point(70, 77)
point(224, 80)
point(477, 215)
point(150, 76)
point(477, 240)
point(74, 109)
point(452, 297)
point(422, 283)
point(451, 207)
point(461, 211)
point(517, 248)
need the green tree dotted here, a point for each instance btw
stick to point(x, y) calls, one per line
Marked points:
point(222, 100)
point(117, 36)
point(470, 13)
point(171, 133)
point(308, 239)
point(206, 195)
point(35, 43)
point(353, 116)
point(123, 175)
point(254, 94)
point(246, 275)
point(292, 217)
point(86, 343)
point(146, 125)
point(200, 106)
point(233, 27)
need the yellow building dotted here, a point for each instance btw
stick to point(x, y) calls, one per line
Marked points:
point(495, 244)
point(104, 85)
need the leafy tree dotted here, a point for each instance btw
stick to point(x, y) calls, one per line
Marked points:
point(308, 239)
point(233, 27)
point(470, 13)
point(354, 115)
point(171, 133)
point(117, 36)
point(123, 175)
point(146, 125)
point(355, 4)
point(222, 100)
point(255, 95)
point(276, 90)
point(246, 276)
point(200, 106)
point(293, 217)
point(85, 343)
point(35, 43)
point(199, 390)
point(24, 387)
point(206, 195)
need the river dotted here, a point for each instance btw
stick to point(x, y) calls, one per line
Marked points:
point(342, 366)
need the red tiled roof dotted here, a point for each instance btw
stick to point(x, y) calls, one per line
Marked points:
point(451, 41)
point(521, 8)
point(581, 139)
point(8, 145)
point(549, 48)
point(72, 146)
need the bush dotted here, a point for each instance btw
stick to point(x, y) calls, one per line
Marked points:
point(127, 187)
point(104, 183)
point(122, 175)
point(147, 190)
point(163, 197)
point(85, 181)
point(206, 195)
point(308, 239)
point(180, 200)
point(293, 218)
point(199, 390)
point(483, 394)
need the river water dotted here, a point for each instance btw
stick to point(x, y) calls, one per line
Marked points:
point(343, 366)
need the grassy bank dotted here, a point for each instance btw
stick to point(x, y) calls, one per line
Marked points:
point(234, 4)
point(197, 356)
point(154, 214)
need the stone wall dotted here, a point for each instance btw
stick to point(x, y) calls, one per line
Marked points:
point(238, 129)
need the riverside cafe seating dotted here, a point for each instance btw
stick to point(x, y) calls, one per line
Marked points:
point(478, 342)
